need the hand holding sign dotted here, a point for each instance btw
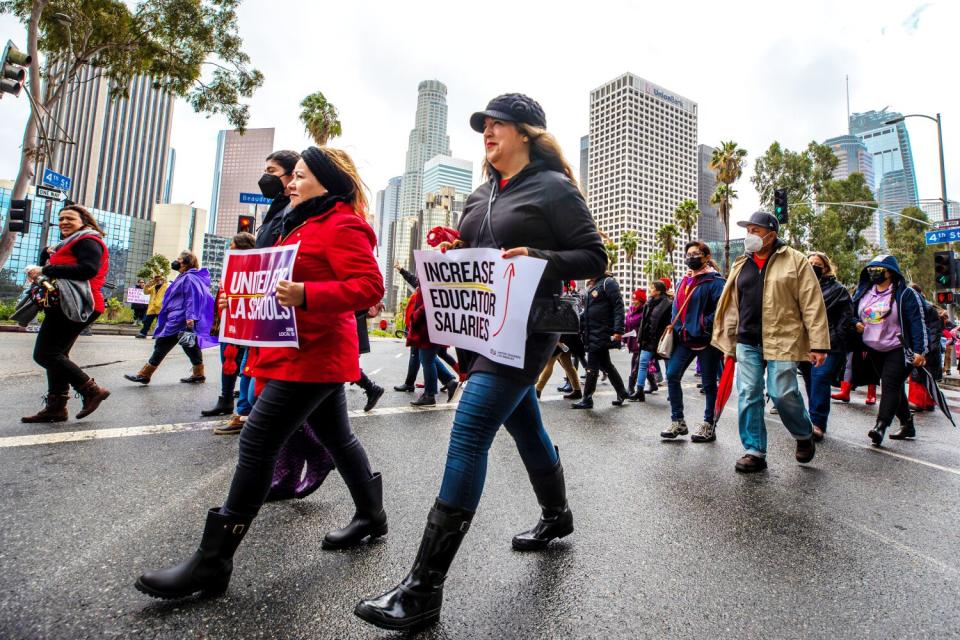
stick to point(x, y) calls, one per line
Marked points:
point(513, 253)
point(290, 294)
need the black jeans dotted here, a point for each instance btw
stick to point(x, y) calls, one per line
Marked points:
point(52, 351)
point(147, 323)
point(162, 346)
point(893, 371)
point(279, 411)
point(600, 361)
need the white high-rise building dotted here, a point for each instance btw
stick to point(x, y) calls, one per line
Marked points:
point(643, 163)
point(428, 139)
point(444, 171)
point(388, 208)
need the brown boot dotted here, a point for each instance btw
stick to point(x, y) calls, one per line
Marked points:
point(92, 394)
point(143, 377)
point(196, 375)
point(54, 409)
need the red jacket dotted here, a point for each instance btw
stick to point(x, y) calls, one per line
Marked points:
point(340, 275)
point(64, 256)
point(418, 335)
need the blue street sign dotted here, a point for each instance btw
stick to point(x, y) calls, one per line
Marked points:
point(58, 181)
point(942, 236)
point(254, 198)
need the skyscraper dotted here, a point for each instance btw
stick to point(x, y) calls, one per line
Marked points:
point(444, 171)
point(889, 144)
point(427, 139)
point(238, 167)
point(388, 208)
point(584, 163)
point(710, 227)
point(168, 182)
point(118, 156)
point(854, 157)
point(643, 163)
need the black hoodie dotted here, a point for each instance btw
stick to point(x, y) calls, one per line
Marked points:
point(544, 211)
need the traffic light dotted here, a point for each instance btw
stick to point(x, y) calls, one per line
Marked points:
point(12, 71)
point(245, 224)
point(19, 220)
point(780, 205)
point(945, 273)
point(944, 297)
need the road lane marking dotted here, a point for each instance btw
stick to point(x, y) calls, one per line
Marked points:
point(375, 371)
point(902, 548)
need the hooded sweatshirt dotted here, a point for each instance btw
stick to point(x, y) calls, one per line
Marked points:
point(906, 304)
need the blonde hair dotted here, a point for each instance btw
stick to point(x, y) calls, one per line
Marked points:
point(345, 164)
point(827, 263)
point(543, 147)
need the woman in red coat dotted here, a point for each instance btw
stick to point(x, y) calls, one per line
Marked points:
point(81, 255)
point(335, 274)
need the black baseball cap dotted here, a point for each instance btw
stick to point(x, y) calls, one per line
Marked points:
point(511, 107)
point(762, 219)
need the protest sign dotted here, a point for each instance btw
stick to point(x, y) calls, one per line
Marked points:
point(478, 301)
point(253, 316)
point(137, 296)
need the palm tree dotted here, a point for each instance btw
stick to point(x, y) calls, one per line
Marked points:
point(656, 266)
point(686, 216)
point(667, 239)
point(727, 162)
point(628, 241)
point(320, 118)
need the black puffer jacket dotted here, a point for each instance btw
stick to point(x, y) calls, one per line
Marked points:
point(272, 225)
point(656, 317)
point(544, 211)
point(602, 315)
point(840, 314)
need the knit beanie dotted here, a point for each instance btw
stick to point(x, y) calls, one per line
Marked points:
point(326, 172)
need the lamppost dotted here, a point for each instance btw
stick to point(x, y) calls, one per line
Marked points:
point(943, 173)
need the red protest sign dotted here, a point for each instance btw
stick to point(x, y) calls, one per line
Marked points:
point(253, 316)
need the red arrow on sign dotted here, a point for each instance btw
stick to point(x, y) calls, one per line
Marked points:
point(510, 273)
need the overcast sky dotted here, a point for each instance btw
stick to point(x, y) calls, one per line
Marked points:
point(760, 71)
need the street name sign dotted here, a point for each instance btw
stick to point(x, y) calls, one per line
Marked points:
point(254, 198)
point(56, 180)
point(942, 236)
point(51, 194)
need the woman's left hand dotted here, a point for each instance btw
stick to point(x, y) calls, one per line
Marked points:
point(919, 360)
point(33, 273)
point(513, 253)
point(290, 294)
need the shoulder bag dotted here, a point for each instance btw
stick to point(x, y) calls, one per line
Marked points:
point(665, 346)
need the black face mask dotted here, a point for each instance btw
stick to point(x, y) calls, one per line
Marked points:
point(819, 272)
point(271, 186)
point(694, 264)
point(175, 265)
point(877, 277)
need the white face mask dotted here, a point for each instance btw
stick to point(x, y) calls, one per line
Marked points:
point(752, 243)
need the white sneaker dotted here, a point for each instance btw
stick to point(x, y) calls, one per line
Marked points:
point(705, 433)
point(678, 428)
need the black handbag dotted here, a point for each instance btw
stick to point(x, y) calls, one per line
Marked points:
point(559, 314)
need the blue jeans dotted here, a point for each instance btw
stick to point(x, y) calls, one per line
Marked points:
point(818, 381)
point(782, 388)
point(642, 368)
point(433, 368)
point(489, 401)
point(247, 395)
point(678, 364)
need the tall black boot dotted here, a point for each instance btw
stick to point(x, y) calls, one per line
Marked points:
point(556, 520)
point(416, 601)
point(224, 407)
point(876, 434)
point(208, 570)
point(589, 386)
point(369, 519)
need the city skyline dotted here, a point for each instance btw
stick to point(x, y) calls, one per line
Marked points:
point(788, 88)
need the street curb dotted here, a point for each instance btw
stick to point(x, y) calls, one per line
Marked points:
point(100, 330)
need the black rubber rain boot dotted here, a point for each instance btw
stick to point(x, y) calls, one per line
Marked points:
point(556, 520)
point(589, 386)
point(906, 430)
point(208, 570)
point(224, 407)
point(416, 601)
point(368, 520)
point(876, 434)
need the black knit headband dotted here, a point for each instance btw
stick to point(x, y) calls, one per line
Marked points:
point(326, 172)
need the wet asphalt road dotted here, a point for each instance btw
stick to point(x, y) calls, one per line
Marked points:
point(669, 541)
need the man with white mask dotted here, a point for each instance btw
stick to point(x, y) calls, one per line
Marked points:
point(770, 316)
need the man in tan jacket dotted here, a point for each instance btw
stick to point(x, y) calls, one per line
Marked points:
point(157, 287)
point(770, 316)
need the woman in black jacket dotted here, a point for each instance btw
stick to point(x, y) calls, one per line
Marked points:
point(843, 323)
point(602, 329)
point(274, 184)
point(656, 317)
point(530, 206)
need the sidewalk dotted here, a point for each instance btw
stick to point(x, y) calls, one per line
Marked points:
point(96, 329)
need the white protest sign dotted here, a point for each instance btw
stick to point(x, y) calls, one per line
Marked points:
point(137, 296)
point(478, 301)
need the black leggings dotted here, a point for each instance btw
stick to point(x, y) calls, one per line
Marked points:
point(600, 361)
point(52, 351)
point(279, 411)
point(893, 371)
point(162, 346)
